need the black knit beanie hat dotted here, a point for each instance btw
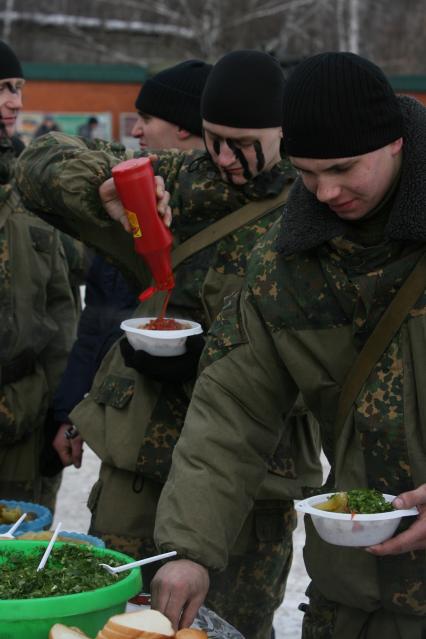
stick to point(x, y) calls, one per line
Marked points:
point(339, 105)
point(10, 67)
point(174, 94)
point(244, 90)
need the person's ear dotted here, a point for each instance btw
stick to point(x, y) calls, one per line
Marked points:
point(282, 150)
point(183, 134)
point(396, 146)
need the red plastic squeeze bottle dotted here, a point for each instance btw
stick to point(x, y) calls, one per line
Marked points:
point(135, 184)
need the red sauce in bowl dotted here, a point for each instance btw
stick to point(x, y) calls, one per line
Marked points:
point(164, 324)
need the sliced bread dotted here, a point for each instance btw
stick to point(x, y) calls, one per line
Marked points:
point(59, 631)
point(149, 624)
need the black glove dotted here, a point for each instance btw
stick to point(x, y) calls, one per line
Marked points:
point(181, 368)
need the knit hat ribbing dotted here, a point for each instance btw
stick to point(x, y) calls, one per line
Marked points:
point(10, 67)
point(244, 90)
point(339, 105)
point(174, 94)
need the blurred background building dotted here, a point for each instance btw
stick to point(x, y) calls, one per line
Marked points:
point(74, 93)
point(86, 59)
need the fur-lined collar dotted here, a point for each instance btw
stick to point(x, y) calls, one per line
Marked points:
point(307, 223)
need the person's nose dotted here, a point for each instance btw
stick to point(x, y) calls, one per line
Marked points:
point(327, 190)
point(14, 100)
point(137, 129)
point(226, 156)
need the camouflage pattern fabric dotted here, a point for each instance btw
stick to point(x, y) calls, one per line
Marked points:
point(164, 428)
point(72, 198)
point(309, 302)
point(75, 168)
point(256, 576)
point(324, 619)
point(120, 409)
point(245, 595)
point(379, 415)
point(38, 321)
point(320, 616)
point(7, 161)
point(252, 587)
point(198, 198)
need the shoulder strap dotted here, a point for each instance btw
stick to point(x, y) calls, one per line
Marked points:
point(226, 225)
point(380, 338)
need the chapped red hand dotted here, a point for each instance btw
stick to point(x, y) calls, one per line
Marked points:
point(113, 206)
point(414, 538)
point(70, 451)
point(178, 590)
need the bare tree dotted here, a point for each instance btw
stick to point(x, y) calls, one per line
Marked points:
point(8, 17)
point(158, 33)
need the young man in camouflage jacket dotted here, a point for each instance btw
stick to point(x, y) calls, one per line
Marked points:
point(38, 313)
point(133, 420)
point(168, 108)
point(316, 287)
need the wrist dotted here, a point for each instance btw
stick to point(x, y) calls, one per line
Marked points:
point(71, 432)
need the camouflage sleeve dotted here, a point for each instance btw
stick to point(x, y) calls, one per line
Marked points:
point(59, 177)
point(232, 426)
point(168, 164)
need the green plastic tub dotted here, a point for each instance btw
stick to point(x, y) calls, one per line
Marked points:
point(89, 611)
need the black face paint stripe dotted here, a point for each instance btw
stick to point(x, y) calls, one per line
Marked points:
point(260, 158)
point(12, 88)
point(216, 146)
point(205, 144)
point(241, 158)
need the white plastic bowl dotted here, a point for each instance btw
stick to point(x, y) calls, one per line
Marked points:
point(356, 530)
point(159, 343)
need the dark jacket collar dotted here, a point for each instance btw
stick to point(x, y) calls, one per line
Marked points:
point(307, 223)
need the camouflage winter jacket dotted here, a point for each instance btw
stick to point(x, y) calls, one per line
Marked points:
point(133, 422)
point(37, 311)
point(309, 302)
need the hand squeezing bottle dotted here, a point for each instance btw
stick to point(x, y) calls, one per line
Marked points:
point(135, 184)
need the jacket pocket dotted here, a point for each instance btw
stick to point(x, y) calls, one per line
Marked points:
point(115, 391)
point(274, 520)
point(112, 419)
point(297, 455)
point(267, 531)
point(41, 239)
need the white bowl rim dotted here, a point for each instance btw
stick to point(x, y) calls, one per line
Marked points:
point(127, 325)
point(304, 506)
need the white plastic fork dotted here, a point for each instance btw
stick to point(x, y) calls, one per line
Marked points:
point(9, 533)
point(113, 570)
point(49, 548)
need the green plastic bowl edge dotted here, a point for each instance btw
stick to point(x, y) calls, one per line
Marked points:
point(78, 603)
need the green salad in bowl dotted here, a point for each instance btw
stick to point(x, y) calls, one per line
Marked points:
point(359, 518)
